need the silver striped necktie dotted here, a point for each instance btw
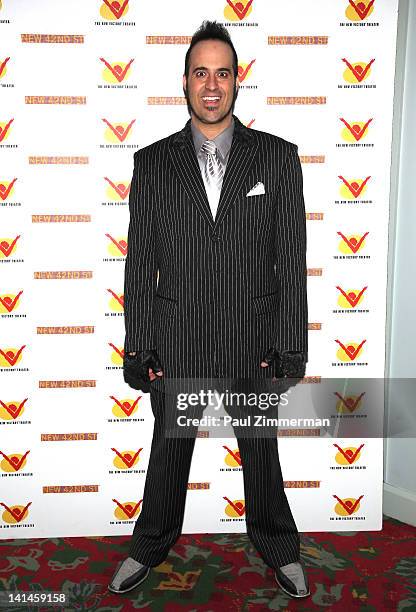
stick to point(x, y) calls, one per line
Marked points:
point(213, 174)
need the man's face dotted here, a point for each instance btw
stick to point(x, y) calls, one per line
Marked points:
point(211, 88)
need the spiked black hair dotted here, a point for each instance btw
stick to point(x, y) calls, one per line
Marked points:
point(211, 30)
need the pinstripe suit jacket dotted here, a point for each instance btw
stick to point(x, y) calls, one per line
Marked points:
point(213, 296)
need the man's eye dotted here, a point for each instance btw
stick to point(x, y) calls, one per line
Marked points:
point(200, 73)
point(223, 74)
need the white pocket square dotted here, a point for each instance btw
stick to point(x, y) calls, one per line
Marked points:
point(258, 189)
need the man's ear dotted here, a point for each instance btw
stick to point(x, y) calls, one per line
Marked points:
point(184, 82)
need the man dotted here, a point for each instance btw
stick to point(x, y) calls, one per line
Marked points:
point(215, 286)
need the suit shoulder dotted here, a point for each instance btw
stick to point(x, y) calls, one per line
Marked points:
point(272, 140)
point(155, 148)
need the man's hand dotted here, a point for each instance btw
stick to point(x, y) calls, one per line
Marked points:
point(288, 367)
point(140, 369)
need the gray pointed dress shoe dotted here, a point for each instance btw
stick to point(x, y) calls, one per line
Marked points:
point(293, 580)
point(128, 575)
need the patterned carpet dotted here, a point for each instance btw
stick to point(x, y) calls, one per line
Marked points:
point(365, 571)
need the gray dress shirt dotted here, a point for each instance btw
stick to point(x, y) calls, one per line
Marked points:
point(223, 142)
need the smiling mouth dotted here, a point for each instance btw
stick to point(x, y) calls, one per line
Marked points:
point(211, 102)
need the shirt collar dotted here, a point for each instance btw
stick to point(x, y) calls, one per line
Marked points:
point(223, 140)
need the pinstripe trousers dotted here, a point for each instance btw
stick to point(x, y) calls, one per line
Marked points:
point(269, 520)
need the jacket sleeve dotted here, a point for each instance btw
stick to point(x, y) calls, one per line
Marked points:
point(140, 271)
point(291, 258)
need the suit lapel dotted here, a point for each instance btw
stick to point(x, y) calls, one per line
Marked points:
point(241, 156)
point(185, 162)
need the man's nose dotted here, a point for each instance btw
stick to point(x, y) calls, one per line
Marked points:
point(211, 82)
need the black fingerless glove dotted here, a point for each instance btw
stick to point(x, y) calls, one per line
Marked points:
point(288, 367)
point(136, 369)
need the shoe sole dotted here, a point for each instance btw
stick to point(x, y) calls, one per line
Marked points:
point(292, 594)
point(130, 588)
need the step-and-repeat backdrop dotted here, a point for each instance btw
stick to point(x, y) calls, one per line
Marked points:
point(84, 85)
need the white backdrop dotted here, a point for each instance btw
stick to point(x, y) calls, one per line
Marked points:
point(84, 85)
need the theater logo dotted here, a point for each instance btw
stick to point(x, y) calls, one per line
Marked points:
point(114, 10)
point(124, 409)
point(14, 515)
point(9, 304)
point(115, 74)
point(353, 189)
point(117, 134)
point(6, 130)
point(13, 464)
point(116, 248)
point(348, 458)
point(117, 192)
point(352, 246)
point(3, 73)
point(125, 460)
point(10, 357)
point(232, 460)
point(349, 406)
point(354, 133)
point(115, 304)
point(349, 298)
point(358, 12)
point(126, 511)
point(244, 75)
point(6, 194)
point(356, 74)
point(116, 357)
point(10, 412)
point(346, 509)
point(349, 352)
point(8, 250)
point(234, 509)
point(114, 13)
point(237, 11)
